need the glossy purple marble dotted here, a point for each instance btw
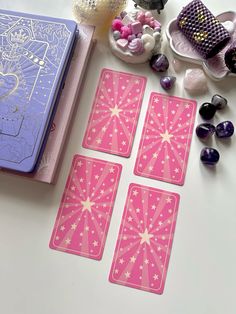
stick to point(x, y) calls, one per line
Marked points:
point(205, 130)
point(225, 129)
point(207, 111)
point(219, 101)
point(159, 63)
point(209, 156)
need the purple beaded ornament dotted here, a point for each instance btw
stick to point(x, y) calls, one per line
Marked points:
point(202, 29)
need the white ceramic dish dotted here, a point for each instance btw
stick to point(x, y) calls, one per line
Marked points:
point(215, 67)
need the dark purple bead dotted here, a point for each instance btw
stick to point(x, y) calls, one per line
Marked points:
point(207, 111)
point(159, 63)
point(219, 102)
point(167, 82)
point(209, 156)
point(205, 130)
point(225, 129)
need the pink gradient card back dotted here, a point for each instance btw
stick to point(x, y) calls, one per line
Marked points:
point(145, 239)
point(166, 138)
point(85, 211)
point(114, 116)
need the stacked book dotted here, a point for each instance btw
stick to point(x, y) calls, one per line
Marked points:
point(42, 63)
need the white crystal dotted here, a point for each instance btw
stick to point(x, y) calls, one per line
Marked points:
point(177, 65)
point(229, 25)
point(195, 81)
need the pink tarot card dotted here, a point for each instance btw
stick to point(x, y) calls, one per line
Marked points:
point(145, 239)
point(85, 211)
point(166, 138)
point(114, 116)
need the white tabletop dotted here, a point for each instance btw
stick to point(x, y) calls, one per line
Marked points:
point(201, 277)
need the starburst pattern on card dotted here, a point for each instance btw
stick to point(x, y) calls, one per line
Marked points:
point(114, 116)
point(166, 138)
point(85, 211)
point(145, 239)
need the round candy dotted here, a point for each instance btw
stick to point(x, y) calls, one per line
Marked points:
point(141, 17)
point(131, 37)
point(167, 82)
point(225, 129)
point(209, 156)
point(219, 101)
point(159, 63)
point(148, 14)
point(207, 111)
point(125, 32)
point(116, 25)
point(205, 130)
point(116, 35)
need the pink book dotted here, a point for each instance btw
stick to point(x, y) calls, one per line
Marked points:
point(49, 165)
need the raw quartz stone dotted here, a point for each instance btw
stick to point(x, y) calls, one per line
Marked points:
point(195, 81)
point(177, 65)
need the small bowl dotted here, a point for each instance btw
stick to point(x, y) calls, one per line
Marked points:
point(127, 56)
point(215, 67)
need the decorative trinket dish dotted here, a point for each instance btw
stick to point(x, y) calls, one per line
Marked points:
point(135, 36)
point(215, 67)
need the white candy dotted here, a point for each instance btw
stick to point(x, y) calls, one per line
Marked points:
point(148, 42)
point(147, 30)
point(128, 20)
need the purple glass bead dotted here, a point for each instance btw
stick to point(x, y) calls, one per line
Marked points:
point(219, 101)
point(209, 156)
point(207, 111)
point(205, 130)
point(159, 63)
point(225, 129)
point(167, 82)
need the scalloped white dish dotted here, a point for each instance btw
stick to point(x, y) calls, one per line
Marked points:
point(215, 67)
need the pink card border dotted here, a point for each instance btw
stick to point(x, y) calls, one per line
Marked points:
point(189, 140)
point(106, 229)
point(131, 141)
point(173, 226)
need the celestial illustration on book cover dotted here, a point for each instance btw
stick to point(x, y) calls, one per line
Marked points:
point(31, 52)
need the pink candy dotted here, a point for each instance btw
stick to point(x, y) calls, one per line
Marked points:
point(125, 32)
point(116, 25)
point(141, 17)
point(122, 43)
point(136, 27)
point(157, 24)
point(148, 14)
